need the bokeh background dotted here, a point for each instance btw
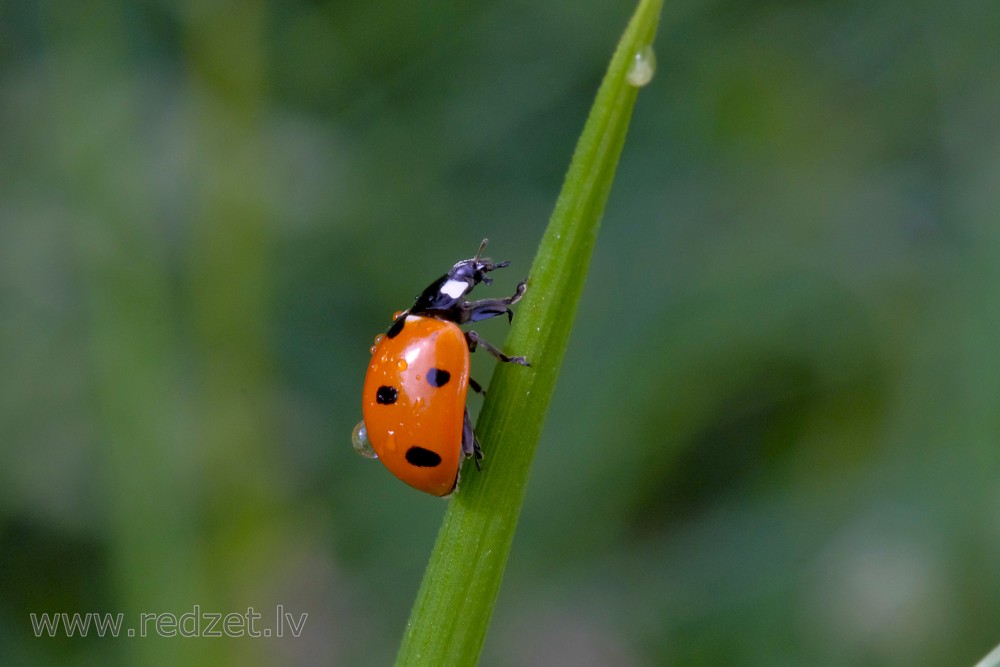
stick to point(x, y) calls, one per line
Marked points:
point(775, 438)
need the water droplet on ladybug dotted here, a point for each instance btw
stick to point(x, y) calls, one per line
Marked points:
point(359, 438)
point(643, 67)
point(397, 315)
point(402, 364)
point(390, 441)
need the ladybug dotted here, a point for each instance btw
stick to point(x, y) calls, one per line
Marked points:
point(413, 402)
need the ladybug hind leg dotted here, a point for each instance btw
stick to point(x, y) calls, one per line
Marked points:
point(475, 341)
point(470, 444)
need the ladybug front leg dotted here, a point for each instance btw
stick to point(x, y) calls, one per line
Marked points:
point(484, 309)
point(470, 444)
point(474, 341)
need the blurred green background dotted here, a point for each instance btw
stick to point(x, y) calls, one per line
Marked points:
point(775, 439)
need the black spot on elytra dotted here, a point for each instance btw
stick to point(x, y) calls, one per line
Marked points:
point(422, 458)
point(396, 327)
point(438, 377)
point(386, 395)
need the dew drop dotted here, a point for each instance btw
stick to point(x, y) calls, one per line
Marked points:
point(402, 365)
point(359, 438)
point(397, 315)
point(643, 66)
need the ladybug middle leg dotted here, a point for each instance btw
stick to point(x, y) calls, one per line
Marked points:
point(474, 341)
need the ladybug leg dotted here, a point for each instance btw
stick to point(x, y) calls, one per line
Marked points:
point(474, 341)
point(476, 387)
point(484, 309)
point(470, 444)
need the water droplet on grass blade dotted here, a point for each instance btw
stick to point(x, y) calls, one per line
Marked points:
point(643, 67)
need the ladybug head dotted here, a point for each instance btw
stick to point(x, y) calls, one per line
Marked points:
point(476, 268)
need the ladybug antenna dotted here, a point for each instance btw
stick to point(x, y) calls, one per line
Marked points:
point(484, 262)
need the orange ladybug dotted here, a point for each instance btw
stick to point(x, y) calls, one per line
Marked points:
point(413, 401)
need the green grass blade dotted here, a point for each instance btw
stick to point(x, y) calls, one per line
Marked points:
point(452, 611)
